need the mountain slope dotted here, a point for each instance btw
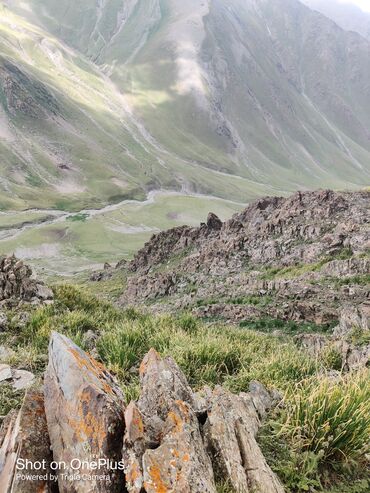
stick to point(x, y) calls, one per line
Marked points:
point(225, 99)
point(69, 138)
point(346, 15)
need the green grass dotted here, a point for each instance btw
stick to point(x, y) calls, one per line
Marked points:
point(208, 354)
point(9, 399)
point(359, 280)
point(330, 418)
point(319, 439)
point(359, 337)
point(78, 218)
point(255, 300)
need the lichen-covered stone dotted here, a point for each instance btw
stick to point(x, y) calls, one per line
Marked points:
point(84, 409)
point(26, 438)
point(162, 383)
point(176, 440)
point(180, 464)
point(229, 433)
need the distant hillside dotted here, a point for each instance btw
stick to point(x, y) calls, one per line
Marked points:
point(346, 15)
point(234, 100)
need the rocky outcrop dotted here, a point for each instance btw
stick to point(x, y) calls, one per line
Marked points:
point(305, 256)
point(353, 319)
point(18, 286)
point(152, 286)
point(213, 221)
point(171, 440)
point(177, 441)
point(230, 436)
point(350, 339)
point(84, 410)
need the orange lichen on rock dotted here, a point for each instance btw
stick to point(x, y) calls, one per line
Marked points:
point(156, 483)
point(134, 423)
point(90, 365)
point(178, 423)
point(86, 426)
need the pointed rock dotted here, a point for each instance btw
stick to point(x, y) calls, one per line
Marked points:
point(162, 383)
point(134, 448)
point(175, 439)
point(230, 437)
point(26, 438)
point(213, 221)
point(84, 409)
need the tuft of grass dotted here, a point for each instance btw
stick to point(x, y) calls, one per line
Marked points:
point(9, 399)
point(224, 487)
point(359, 337)
point(330, 418)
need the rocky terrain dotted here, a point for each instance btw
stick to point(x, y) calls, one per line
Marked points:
point(18, 286)
point(303, 259)
point(19, 293)
point(170, 440)
point(270, 319)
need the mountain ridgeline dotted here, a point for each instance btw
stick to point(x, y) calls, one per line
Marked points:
point(103, 101)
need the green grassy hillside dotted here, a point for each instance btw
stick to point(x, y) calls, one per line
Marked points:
point(162, 94)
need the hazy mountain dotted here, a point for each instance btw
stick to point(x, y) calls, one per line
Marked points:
point(106, 100)
point(345, 14)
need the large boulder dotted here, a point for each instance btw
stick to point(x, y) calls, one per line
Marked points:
point(84, 409)
point(25, 437)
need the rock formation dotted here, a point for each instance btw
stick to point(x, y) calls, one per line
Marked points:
point(171, 440)
point(18, 286)
point(350, 339)
point(25, 437)
point(300, 258)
